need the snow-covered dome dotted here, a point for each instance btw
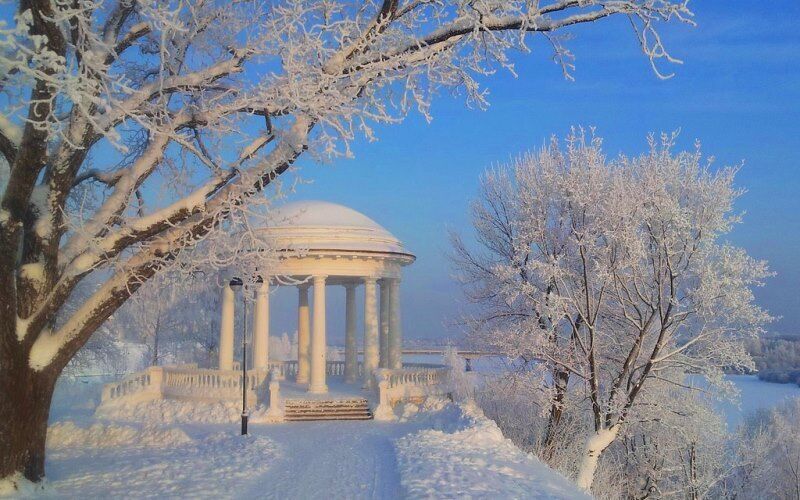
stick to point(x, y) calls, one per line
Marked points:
point(321, 226)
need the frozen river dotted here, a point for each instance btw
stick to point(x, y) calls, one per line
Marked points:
point(755, 394)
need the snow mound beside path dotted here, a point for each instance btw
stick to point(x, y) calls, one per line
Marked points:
point(213, 466)
point(169, 411)
point(66, 434)
point(467, 456)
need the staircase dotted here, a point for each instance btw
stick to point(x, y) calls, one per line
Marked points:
point(338, 409)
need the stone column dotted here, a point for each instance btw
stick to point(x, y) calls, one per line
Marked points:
point(350, 346)
point(303, 335)
point(226, 328)
point(261, 328)
point(384, 333)
point(395, 331)
point(317, 383)
point(371, 355)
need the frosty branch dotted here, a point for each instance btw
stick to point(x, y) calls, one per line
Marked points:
point(622, 259)
point(132, 130)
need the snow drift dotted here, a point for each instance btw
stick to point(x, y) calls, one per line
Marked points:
point(466, 455)
point(169, 411)
point(67, 434)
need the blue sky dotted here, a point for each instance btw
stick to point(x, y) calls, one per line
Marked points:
point(738, 92)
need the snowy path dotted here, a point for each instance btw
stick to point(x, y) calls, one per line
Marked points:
point(299, 460)
point(331, 460)
point(442, 451)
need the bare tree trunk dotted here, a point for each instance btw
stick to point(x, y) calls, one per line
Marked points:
point(595, 446)
point(561, 380)
point(25, 396)
point(155, 343)
point(155, 351)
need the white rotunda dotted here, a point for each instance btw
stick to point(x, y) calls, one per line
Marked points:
point(319, 244)
point(326, 244)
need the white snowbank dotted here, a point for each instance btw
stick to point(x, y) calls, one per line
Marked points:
point(17, 486)
point(466, 456)
point(68, 434)
point(172, 411)
point(213, 466)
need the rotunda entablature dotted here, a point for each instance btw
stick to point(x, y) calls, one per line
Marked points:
point(323, 238)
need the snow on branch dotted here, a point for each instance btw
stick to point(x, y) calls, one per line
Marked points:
point(134, 129)
point(613, 275)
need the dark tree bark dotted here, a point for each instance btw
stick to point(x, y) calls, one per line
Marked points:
point(561, 380)
point(25, 396)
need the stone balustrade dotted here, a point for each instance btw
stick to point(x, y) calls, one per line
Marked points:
point(413, 382)
point(210, 385)
point(283, 369)
point(184, 383)
point(131, 384)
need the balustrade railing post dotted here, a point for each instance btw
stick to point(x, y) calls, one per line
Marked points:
point(275, 412)
point(156, 380)
point(384, 409)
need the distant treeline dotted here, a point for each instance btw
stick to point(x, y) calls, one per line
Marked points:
point(777, 358)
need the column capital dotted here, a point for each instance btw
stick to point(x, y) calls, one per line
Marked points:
point(350, 286)
point(319, 277)
point(369, 279)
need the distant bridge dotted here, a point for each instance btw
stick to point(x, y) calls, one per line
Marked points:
point(467, 354)
point(464, 353)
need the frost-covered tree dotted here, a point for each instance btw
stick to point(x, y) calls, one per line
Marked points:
point(674, 446)
point(768, 455)
point(152, 315)
point(132, 129)
point(613, 275)
point(175, 317)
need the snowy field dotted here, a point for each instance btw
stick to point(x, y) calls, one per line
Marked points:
point(440, 451)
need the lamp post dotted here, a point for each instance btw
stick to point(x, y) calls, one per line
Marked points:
point(235, 284)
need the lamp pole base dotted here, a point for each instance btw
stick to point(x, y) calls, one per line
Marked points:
point(244, 424)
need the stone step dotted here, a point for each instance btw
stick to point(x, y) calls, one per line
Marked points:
point(292, 418)
point(328, 413)
point(342, 409)
point(325, 403)
point(329, 409)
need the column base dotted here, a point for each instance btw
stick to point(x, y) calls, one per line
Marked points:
point(320, 389)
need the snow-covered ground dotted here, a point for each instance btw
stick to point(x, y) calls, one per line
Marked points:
point(439, 451)
point(465, 455)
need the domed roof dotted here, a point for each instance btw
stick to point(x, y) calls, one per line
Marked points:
point(323, 226)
